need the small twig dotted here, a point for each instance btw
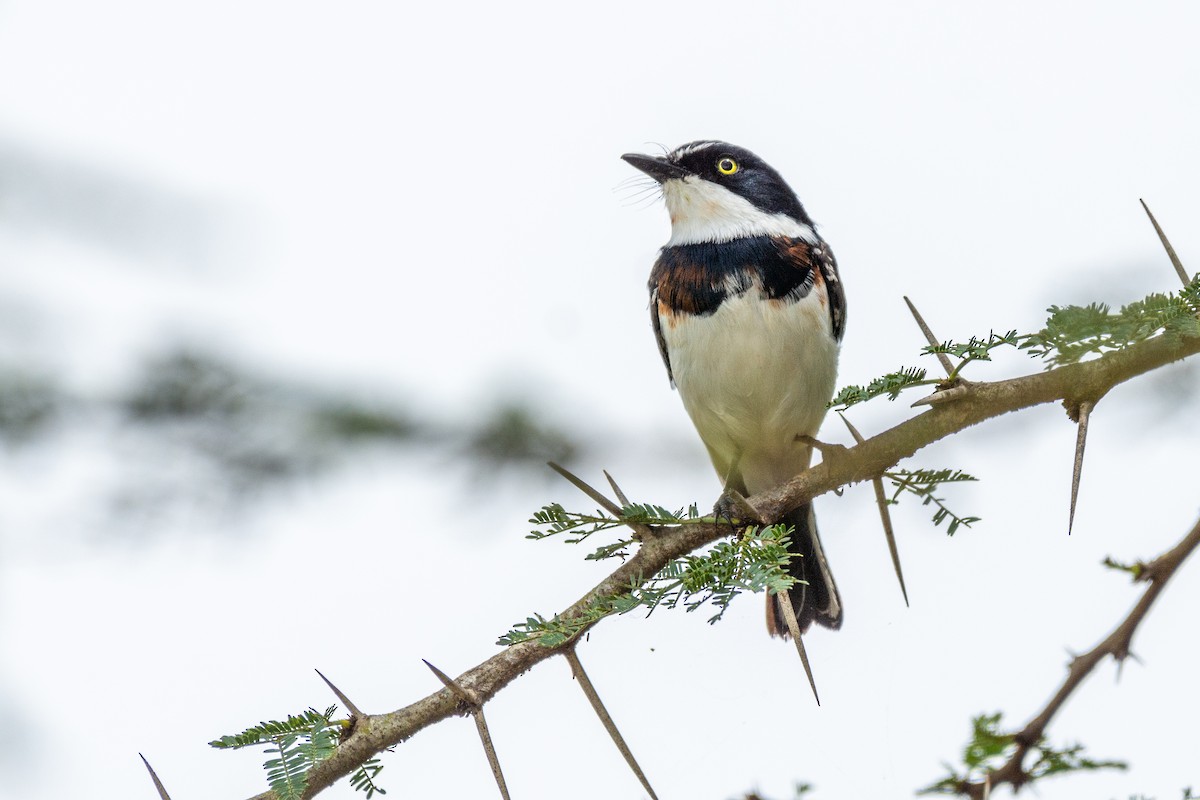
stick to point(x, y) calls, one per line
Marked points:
point(829, 451)
point(1162, 237)
point(826, 449)
point(793, 626)
point(162, 791)
point(353, 709)
point(885, 516)
point(485, 736)
point(606, 720)
point(1116, 644)
point(947, 364)
point(1085, 413)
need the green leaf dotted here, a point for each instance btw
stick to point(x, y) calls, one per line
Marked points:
point(989, 749)
point(891, 384)
point(298, 744)
point(1075, 332)
point(754, 562)
point(975, 349)
point(364, 779)
point(923, 483)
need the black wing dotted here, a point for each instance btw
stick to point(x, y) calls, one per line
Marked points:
point(816, 259)
point(656, 322)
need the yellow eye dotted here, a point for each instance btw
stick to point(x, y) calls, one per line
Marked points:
point(727, 166)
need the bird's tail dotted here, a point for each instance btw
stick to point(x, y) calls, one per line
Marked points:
point(817, 600)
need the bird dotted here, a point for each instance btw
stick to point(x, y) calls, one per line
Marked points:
point(749, 312)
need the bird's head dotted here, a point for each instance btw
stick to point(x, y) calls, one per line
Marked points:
point(718, 192)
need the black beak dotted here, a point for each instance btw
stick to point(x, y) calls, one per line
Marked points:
point(656, 167)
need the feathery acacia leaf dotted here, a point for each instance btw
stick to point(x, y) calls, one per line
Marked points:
point(891, 384)
point(753, 562)
point(364, 779)
point(975, 349)
point(923, 483)
point(1074, 332)
point(553, 519)
point(298, 744)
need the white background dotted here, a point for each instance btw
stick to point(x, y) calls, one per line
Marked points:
point(422, 200)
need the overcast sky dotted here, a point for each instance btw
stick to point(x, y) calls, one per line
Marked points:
point(426, 201)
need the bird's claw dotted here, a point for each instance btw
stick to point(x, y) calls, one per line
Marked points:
point(733, 508)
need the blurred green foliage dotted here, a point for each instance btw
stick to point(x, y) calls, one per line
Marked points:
point(193, 426)
point(28, 404)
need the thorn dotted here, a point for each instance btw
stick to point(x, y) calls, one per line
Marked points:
point(885, 516)
point(485, 736)
point(616, 489)
point(793, 626)
point(582, 486)
point(1085, 413)
point(1162, 237)
point(453, 686)
point(162, 792)
point(644, 531)
point(947, 364)
point(353, 709)
point(944, 396)
point(489, 750)
point(593, 697)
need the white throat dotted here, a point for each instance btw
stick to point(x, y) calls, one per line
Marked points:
point(702, 211)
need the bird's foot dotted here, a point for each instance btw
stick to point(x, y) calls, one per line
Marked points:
point(734, 509)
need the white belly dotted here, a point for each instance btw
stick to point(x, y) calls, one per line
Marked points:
point(753, 375)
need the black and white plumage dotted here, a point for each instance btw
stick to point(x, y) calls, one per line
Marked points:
point(749, 312)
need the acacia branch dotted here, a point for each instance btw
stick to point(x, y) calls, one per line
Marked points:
point(974, 403)
point(1116, 644)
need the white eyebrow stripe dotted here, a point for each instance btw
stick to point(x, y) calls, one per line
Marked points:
point(688, 149)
